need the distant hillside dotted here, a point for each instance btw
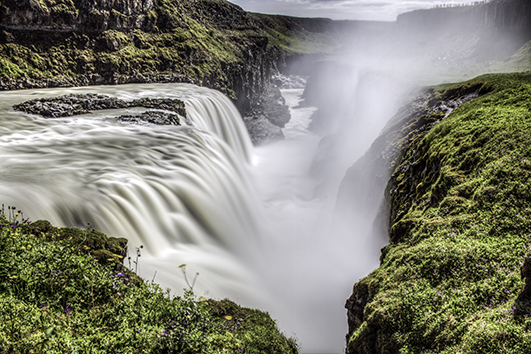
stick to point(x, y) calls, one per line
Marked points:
point(494, 31)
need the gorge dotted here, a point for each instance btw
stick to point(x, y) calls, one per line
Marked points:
point(261, 225)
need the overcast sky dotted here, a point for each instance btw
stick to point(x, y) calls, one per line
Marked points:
point(381, 10)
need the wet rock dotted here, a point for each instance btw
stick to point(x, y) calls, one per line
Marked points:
point(289, 82)
point(153, 117)
point(69, 105)
point(262, 131)
point(274, 107)
point(74, 104)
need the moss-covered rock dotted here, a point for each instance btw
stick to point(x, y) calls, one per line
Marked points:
point(449, 280)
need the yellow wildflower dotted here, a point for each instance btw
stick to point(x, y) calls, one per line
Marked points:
point(13, 277)
point(228, 318)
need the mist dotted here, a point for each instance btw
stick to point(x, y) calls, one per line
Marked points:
point(324, 199)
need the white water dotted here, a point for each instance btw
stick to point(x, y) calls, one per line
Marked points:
point(184, 193)
point(255, 232)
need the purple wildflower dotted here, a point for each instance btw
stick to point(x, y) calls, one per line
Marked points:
point(68, 309)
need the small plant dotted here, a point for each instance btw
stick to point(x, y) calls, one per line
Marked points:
point(138, 255)
point(183, 270)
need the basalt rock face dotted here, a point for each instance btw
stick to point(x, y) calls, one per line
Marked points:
point(70, 15)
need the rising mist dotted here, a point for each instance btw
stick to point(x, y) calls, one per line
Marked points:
point(329, 225)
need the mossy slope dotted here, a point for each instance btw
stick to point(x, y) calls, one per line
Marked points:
point(460, 229)
point(65, 290)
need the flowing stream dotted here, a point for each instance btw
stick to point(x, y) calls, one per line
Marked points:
point(246, 219)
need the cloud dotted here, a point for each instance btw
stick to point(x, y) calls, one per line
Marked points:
point(341, 9)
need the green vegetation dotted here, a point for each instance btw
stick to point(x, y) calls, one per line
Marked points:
point(460, 229)
point(65, 290)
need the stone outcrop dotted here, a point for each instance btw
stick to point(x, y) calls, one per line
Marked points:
point(75, 104)
point(153, 117)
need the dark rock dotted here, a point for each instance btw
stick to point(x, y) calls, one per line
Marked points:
point(525, 273)
point(152, 117)
point(274, 107)
point(74, 104)
point(262, 131)
point(69, 105)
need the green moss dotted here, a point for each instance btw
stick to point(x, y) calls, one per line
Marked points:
point(449, 280)
point(64, 290)
point(10, 70)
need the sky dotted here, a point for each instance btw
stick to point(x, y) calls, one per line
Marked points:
point(369, 10)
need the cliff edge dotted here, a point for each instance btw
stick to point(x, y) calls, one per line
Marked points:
point(458, 222)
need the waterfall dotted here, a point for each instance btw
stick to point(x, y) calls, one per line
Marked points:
point(183, 192)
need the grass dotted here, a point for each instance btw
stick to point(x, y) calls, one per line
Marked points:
point(65, 290)
point(461, 227)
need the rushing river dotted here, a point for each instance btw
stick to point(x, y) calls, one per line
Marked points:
point(246, 219)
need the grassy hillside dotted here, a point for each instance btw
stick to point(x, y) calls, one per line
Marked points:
point(65, 290)
point(460, 229)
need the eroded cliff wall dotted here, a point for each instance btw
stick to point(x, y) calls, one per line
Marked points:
point(458, 220)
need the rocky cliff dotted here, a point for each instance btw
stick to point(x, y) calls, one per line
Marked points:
point(61, 43)
point(496, 29)
point(212, 43)
point(458, 220)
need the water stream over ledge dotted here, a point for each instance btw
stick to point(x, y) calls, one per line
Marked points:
point(246, 219)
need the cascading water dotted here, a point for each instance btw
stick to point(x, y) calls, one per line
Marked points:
point(182, 192)
point(249, 221)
